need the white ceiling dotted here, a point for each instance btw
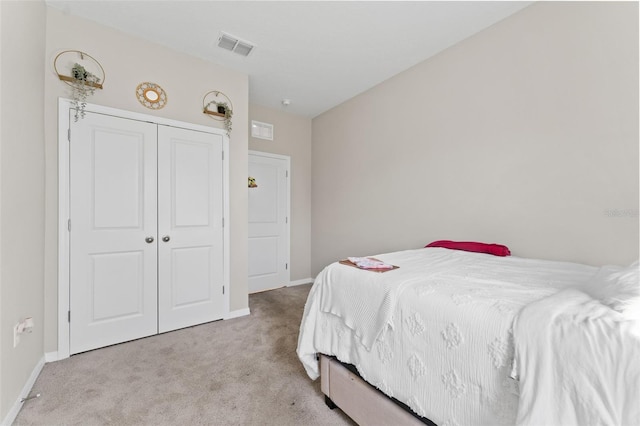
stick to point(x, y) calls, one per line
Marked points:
point(318, 54)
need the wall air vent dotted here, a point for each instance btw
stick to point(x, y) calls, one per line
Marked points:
point(234, 44)
point(261, 130)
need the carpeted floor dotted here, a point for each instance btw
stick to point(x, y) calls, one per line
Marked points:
point(242, 371)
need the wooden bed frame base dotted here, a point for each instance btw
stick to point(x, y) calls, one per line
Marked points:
point(359, 400)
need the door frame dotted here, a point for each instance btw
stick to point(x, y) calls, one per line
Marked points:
point(288, 208)
point(64, 106)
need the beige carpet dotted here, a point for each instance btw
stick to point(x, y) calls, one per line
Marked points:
point(242, 371)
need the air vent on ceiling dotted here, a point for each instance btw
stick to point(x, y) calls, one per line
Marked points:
point(234, 44)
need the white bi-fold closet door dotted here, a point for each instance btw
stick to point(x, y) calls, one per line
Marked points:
point(146, 239)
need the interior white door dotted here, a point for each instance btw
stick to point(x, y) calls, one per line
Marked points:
point(113, 262)
point(268, 218)
point(190, 214)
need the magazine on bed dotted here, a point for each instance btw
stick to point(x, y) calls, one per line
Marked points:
point(368, 263)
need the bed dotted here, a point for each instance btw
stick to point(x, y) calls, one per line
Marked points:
point(446, 334)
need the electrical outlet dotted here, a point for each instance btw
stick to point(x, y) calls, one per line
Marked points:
point(16, 335)
point(24, 326)
point(28, 325)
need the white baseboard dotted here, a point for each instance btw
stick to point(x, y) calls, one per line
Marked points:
point(301, 282)
point(13, 413)
point(237, 313)
point(51, 356)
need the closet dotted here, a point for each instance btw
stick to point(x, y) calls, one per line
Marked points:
point(145, 231)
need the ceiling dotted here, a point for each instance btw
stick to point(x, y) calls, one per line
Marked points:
point(318, 54)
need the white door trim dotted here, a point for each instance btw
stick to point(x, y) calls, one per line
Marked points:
point(64, 105)
point(288, 224)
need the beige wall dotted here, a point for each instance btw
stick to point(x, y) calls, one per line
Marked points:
point(3, 406)
point(22, 39)
point(525, 134)
point(128, 61)
point(292, 137)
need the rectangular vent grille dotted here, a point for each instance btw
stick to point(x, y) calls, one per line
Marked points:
point(234, 44)
point(261, 130)
point(243, 48)
point(227, 42)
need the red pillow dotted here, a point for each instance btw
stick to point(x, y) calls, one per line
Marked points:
point(494, 249)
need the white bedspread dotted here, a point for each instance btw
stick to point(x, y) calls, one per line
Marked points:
point(578, 362)
point(435, 333)
point(343, 290)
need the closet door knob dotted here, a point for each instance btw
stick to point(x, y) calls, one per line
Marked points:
point(166, 238)
point(149, 240)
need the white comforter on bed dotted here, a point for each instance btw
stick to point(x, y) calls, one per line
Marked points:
point(435, 333)
point(578, 363)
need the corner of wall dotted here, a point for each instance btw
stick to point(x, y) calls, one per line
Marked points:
point(292, 137)
point(22, 39)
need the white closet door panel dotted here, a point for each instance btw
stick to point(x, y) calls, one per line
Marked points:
point(121, 189)
point(192, 269)
point(113, 273)
point(117, 285)
point(190, 210)
point(190, 184)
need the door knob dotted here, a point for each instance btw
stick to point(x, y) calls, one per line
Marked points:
point(149, 240)
point(166, 238)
